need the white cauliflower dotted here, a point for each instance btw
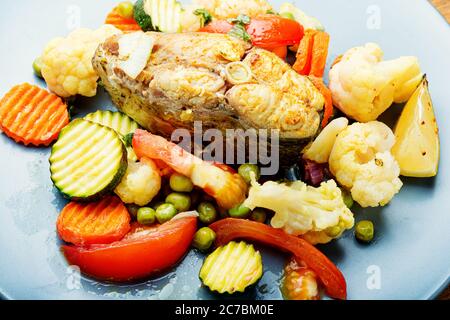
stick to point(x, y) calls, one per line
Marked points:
point(67, 62)
point(225, 9)
point(364, 86)
point(361, 161)
point(319, 151)
point(191, 22)
point(141, 183)
point(319, 215)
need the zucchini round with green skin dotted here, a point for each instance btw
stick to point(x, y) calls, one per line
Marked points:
point(232, 268)
point(158, 15)
point(88, 161)
point(119, 122)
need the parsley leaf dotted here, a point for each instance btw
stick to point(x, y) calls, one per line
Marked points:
point(241, 19)
point(205, 15)
point(239, 31)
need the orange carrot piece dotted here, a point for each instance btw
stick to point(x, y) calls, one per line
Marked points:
point(319, 54)
point(337, 60)
point(328, 110)
point(304, 54)
point(100, 222)
point(31, 115)
point(124, 24)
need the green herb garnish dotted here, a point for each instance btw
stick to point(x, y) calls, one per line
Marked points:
point(241, 19)
point(205, 15)
point(238, 29)
point(128, 140)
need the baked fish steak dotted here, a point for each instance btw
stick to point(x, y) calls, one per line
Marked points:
point(214, 78)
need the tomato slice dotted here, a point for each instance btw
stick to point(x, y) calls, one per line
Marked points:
point(273, 31)
point(217, 26)
point(266, 31)
point(329, 275)
point(142, 253)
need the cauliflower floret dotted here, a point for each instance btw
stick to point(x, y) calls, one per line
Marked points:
point(191, 22)
point(361, 160)
point(364, 86)
point(67, 62)
point(225, 9)
point(317, 214)
point(141, 183)
point(319, 151)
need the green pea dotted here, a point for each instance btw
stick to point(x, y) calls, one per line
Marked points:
point(247, 170)
point(133, 210)
point(37, 67)
point(126, 9)
point(333, 232)
point(364, 231)
point(157, 204)
point(287, 15)
point(204, 239)
point(181, 201)
point(180, 183)
point(165, 212)
point(347, 197)
point(239, 211)
point(146, 216)
point(207, 212)
point(259, 215)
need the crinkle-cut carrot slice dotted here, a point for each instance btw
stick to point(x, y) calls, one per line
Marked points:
point(31, 115)
point(101, 222)
point(124, 24)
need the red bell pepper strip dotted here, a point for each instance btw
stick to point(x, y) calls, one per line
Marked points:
point(230, 229)
point(142, 253)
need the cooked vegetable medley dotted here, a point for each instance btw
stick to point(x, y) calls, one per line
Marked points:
point(139, 202)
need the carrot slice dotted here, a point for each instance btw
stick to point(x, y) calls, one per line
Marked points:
point(319, 54)
point(122, 23)
point(337, 60)
point(304, 54)
point(100, 222)
point(31, 115)
point(328, 110)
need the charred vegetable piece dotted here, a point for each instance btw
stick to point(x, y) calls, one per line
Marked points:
point(87, 161)
point(232, 268)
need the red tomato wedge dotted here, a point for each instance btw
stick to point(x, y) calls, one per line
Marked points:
point(266, 31)
point(330, 276)
point(141, 254)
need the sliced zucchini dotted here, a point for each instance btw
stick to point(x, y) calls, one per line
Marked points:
point(117, 121)
point(232, 268)
point(165, 15)
point(87, 161)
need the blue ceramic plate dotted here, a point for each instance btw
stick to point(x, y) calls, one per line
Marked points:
point(410, 258)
